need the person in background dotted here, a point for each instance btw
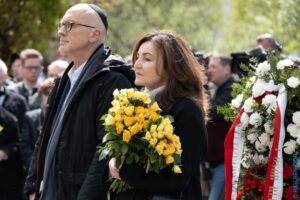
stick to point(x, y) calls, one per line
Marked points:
point(166, 66)
point(33, 122)
point(32, 65)
point(219, 73)
point(268, 42)
point(10, 100)
point(66, 152)
point(4, 75)
point(16, 67)
point(57, 67)
point(10, 166)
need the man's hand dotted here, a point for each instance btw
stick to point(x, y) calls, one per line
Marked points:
point(114, 171)
point(3, 155)
point(32, 196)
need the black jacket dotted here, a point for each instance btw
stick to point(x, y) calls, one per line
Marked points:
point(190, 127)
point(11, 168)
point(82, 129)
point(15, 104)
point(33, 121)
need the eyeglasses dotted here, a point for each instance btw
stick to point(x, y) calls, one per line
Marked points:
point(32, 68)
point(69, 25)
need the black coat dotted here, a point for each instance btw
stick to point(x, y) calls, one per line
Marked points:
point(82, 129)
point(10, 169)
point(15, 104)
point(217, 127)
point(33, 121)
point(190, 127)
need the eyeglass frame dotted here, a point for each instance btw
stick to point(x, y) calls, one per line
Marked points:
point(64, 24)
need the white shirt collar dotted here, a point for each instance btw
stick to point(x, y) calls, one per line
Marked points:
point(75, 73)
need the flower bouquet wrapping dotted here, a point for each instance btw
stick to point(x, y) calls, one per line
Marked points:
point(137, 132)
point(261, 148)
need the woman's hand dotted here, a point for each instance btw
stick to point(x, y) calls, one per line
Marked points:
point(114, 171)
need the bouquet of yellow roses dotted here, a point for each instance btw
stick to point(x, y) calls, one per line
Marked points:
point(136, 132)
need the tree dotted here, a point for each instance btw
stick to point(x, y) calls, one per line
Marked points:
point(28, 24)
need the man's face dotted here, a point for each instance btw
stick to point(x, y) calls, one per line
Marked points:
point(31, 69)
point(17, 69)
point(216, 72)
point(76, 40)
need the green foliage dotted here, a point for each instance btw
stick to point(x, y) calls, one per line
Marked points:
point(28, 24)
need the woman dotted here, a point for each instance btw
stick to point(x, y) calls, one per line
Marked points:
point(165, 65)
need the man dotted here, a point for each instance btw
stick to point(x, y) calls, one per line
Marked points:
point(33, 121)
point(10, 167)
point(219, 73)
point(4, 75)
point(16, 67)
point(11, 101)
point(65, 156)
point(57, 67)
point(32, 66)
point(268, 42)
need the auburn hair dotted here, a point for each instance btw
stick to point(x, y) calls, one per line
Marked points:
point(184, 73)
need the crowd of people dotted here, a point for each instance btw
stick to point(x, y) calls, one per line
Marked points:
point(50, 115)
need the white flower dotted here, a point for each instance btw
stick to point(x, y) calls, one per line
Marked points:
point(269, 101)
point(293, 130)
point(298, 137)
point(293, 82)
point(289, 147)
point(260, 147)
point(259, 159)
point(296, 118)
point(284, 63)
point(255, 119)
point(264, 139)
point(258, 89)
point(269, 128)
point(248, 105)
point(244, 119)
point(252, 137)
point(236, 103)
point(250, 82)
point(263, 68)
point(270, 86)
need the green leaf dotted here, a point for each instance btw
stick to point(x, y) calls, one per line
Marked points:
point(103, 154)
point(109, 136)
point(124, 149)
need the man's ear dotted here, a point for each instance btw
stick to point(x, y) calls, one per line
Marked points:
point(95, 35)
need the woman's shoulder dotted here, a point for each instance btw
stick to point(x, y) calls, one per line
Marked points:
point(185, 105)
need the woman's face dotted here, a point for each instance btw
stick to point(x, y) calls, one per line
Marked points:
point(148, 70)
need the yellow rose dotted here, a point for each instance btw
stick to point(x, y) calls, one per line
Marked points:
point(169, 128)
point(126, 136)
point(129, 110)
point(140, 118)
point(154, 116)
point(160, 135)
point(128, 121)
point(176, 169)
point(118, 118)
point(146, 124)
point(159, 148)
point(160, 127)
point(153, 128)
point(130, 93)
point(148, 136)
point(166, 121)
point(134, 129)
point(109, 120)
point(153, 142)
point(155, 107)
point(139, 110)
point(119, 127)
point(116, 92)
point(169, 160)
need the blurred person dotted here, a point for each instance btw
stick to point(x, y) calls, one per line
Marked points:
point(10, 166)
point(11, 101)
point(66, 150)
point(219, 73)
point(165, 65)
point(32, 66)
point(57, 67)
point(268, 42)
point(16, 67)
point(4, 75)
point(33, 121)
